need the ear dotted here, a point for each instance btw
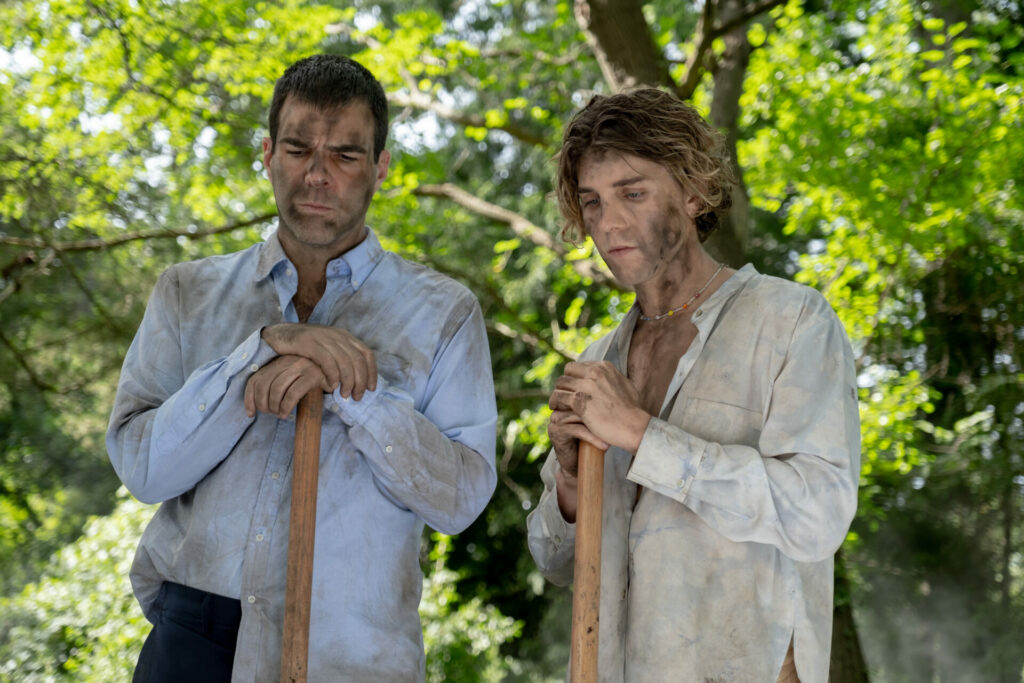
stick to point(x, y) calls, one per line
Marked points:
point(693, 206)
point(268, 152)
point(382, 169)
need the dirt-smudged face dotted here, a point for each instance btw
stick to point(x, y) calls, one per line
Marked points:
point(637, 214)
point(324, 175)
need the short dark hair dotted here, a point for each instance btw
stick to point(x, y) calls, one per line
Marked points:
point(326, 81)
point(652, 124)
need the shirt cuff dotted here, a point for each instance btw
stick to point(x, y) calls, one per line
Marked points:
point(667, 460)
point(353, 412)
point(555, 527)
point(249, 356)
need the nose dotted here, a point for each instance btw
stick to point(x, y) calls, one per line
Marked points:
point(611, 217)
point(316, 172)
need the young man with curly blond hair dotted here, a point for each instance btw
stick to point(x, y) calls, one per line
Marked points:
point(727, 403)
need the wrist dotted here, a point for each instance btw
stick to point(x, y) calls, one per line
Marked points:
point(565, 495)
point(638, 423)
point(565, 480)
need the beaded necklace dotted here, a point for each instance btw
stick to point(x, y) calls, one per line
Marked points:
point(693, 298)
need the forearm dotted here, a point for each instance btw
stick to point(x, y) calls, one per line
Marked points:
point(800, 502)
point(445, 477)
point(162, 440)
point(567, 493)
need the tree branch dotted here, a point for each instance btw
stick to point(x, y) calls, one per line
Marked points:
point(22, 360)
point(570, 55)
point(521, 226)
point(701, 46)
point(25, 260)
point(417, 99)
point(101, 243)
point(706, 33)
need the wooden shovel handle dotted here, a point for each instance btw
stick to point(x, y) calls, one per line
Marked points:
point(587, 573)
point(301, 533)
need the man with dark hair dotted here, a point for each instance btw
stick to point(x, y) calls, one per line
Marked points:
point(727, 403)
point(203, 422)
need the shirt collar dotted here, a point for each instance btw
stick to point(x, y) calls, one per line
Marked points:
point(271, 254)
point(734, 284)
point(712, 305)
point(357, 263)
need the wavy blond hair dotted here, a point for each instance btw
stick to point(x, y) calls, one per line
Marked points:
point(652, 124)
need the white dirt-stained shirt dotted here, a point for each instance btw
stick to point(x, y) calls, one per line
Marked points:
point(750, 480)
point(420, 448)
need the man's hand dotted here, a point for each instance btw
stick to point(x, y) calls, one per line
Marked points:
point(278, 386)
point(565, 429)
point(345, 361)
point(606, 403)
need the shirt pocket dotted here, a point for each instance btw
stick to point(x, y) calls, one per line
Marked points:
point(718, 421)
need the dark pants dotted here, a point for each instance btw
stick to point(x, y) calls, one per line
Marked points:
point(193, 637)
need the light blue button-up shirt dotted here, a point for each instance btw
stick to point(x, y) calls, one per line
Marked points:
point(420, 448)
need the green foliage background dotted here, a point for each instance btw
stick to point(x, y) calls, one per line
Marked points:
point(882, 149)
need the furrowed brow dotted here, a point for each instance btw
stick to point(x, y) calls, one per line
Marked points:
point(348, 149)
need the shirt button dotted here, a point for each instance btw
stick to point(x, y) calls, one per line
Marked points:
point(680, 483)
point(202, 406)
point(387, 449)
point(275, 475)
point(334, 407)
point(289, 272)
point(253, 367)
point(245, 354)
point(251, 599)
point(259, 537)
point(355, 283)
point(698, 314)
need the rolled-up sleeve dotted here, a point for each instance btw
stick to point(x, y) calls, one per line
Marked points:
point(796, 488)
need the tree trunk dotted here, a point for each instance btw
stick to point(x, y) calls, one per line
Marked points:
point(729, 242)
point(847, 664)
point(618, 34)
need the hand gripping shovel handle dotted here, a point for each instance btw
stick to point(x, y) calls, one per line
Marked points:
point(301, 532)
point(587, 571)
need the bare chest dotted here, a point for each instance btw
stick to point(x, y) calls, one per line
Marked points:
point(654, 353)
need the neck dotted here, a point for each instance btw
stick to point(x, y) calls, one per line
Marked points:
point(678, 284)
point(310, 263)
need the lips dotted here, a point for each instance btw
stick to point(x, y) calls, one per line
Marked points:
point(313, 207)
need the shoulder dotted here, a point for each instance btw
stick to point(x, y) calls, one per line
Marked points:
point(212, 266)
point(782, 298)
point(416, 281)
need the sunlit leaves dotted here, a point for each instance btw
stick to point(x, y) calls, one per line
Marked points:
point(80, 621)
